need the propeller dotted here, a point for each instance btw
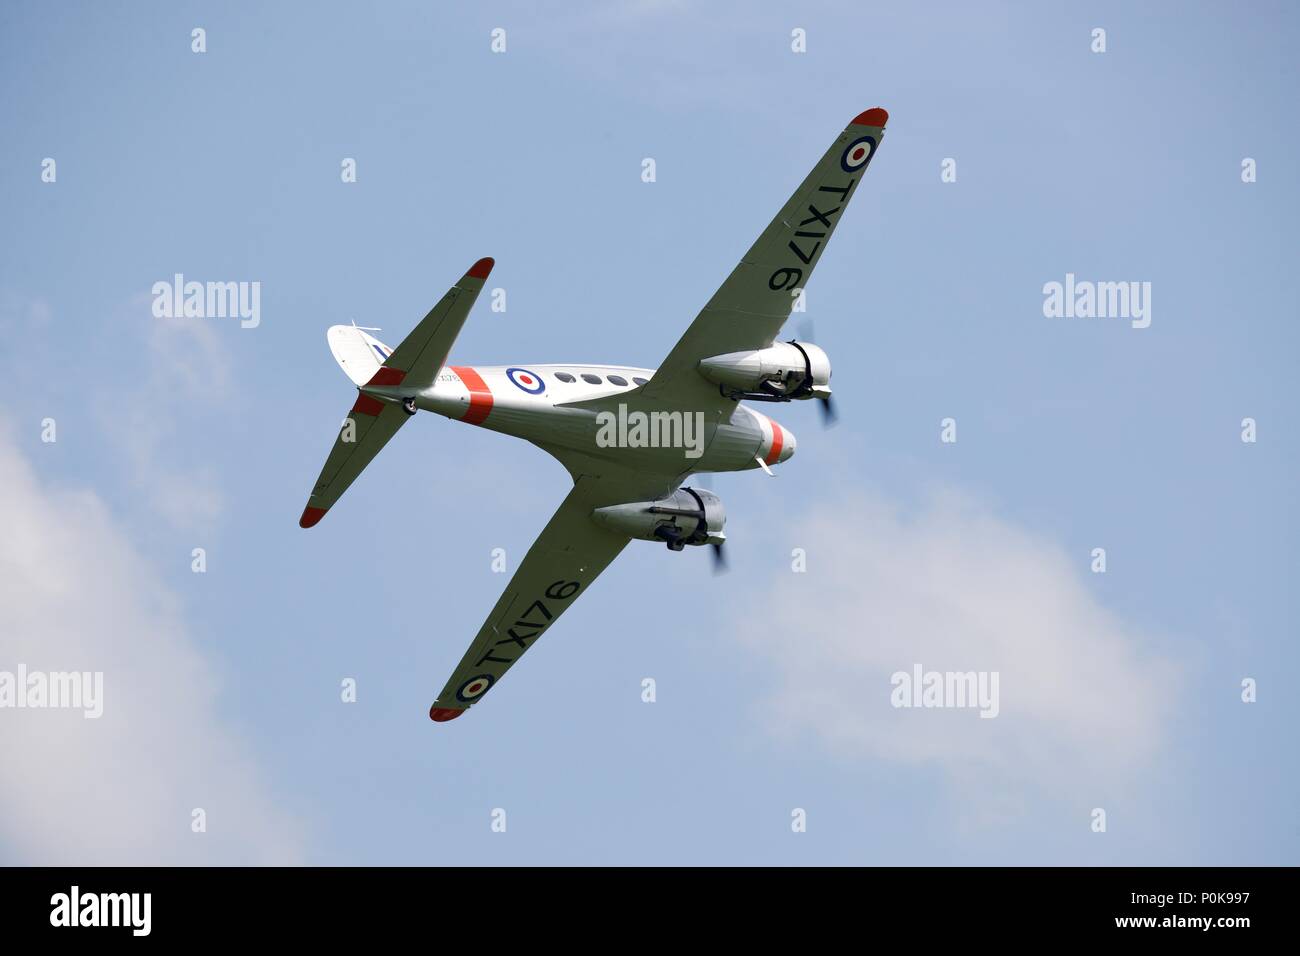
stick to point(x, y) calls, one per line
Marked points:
point(829, 415)
point(808, 333)
point(719, 559)
point(705, 481)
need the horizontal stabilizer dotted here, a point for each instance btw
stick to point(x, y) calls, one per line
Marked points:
point(373, 366)
point(417, 361)
point(365, 432)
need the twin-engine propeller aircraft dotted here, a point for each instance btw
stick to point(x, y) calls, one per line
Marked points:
point(628, 436)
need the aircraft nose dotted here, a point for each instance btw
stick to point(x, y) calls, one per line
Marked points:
point(778, 445)
point(788, 446)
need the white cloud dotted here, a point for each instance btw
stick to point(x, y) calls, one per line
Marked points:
point(21, 316)
point(75, 595)
point(1084, 700)
point(182, 368)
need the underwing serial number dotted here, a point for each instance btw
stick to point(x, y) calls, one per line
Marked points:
point(788, 277)
point(537, 617)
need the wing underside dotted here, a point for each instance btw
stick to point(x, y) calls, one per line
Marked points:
point(566, 558)
point(750, 307)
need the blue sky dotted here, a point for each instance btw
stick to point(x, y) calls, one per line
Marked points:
point(1120, 690)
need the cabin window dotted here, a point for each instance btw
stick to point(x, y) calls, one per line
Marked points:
point(616, 379)
point(591, 379)
point(640, 381)
point(564, 376)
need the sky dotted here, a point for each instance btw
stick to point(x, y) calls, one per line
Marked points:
point(772, 738)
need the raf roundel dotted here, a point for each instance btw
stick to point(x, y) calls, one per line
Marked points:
point(474, 688)
point(857, 153)
point(530, 382)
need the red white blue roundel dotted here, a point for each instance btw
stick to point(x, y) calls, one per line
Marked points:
point(530, 382)
point(474, 688)
point(857, 153)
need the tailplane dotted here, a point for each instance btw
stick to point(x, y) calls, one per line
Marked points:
point(387, 381)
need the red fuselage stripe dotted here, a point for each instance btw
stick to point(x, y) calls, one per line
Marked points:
point(480, 398)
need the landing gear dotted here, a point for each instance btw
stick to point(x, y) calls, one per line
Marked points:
point(671, 536)
point(408, 406)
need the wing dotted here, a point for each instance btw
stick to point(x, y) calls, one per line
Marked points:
point(754, 302)
point(563, 562)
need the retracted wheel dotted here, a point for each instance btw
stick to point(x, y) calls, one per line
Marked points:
point(408, 406)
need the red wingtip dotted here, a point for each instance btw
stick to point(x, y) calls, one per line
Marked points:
point(310, 516)
point(443, 714)
point(872, 117)
point(480, 269)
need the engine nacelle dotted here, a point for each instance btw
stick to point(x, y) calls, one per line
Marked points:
point(780, 372)
point(687, 516)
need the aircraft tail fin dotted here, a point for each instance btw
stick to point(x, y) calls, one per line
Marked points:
point(358, 353)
